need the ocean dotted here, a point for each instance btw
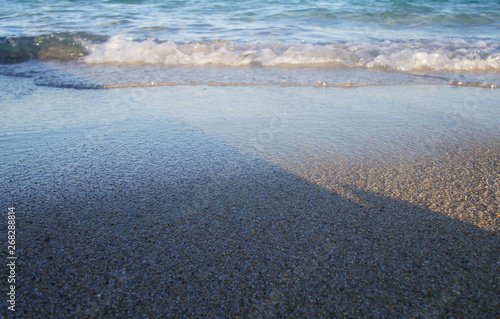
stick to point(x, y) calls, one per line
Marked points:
point(88, 44)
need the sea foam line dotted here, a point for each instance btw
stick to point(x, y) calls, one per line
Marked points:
point(317, 84)
point(414, 55)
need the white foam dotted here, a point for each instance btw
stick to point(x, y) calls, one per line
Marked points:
point(457, 55)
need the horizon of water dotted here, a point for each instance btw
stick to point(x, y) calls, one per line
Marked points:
point(89, 44)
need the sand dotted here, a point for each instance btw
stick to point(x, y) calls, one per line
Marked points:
point(155, 215)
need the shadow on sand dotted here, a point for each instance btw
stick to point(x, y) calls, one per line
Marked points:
point(157, 219)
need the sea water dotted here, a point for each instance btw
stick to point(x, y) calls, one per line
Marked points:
point(96, 44)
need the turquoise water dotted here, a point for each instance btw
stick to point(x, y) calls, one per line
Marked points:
point(249, 21)
point(335, 41)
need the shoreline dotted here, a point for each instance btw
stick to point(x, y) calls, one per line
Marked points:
point(317, 84)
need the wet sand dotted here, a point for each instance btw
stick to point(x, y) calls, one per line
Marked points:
point(177, 208)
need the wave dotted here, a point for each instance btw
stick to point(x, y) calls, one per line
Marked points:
point(404, 56)
point(414, 55)
point(63, 46)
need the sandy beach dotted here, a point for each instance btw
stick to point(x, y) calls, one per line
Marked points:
point(227, 202)
point(250, 159)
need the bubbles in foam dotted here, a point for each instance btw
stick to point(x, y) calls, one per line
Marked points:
point(415, 55)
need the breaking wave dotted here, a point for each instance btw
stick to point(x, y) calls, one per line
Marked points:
point(55, 46)
point(414, 55)
point(405, 56)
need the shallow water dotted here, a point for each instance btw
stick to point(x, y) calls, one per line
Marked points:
point(359, 122)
